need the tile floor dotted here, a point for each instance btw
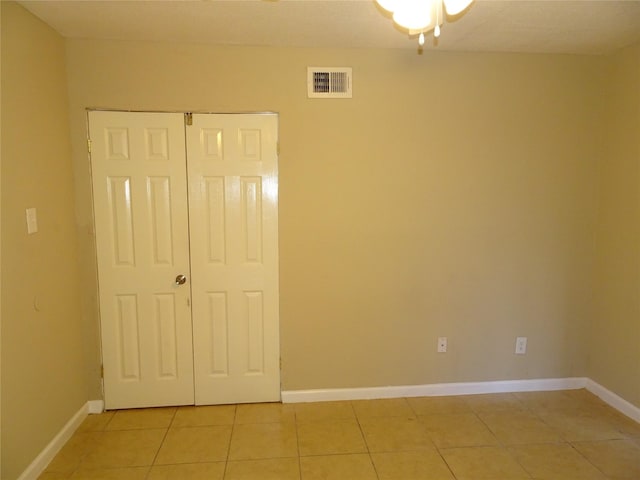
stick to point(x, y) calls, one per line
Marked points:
point(562, 435)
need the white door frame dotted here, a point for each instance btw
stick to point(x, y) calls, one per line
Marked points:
point(252, 371)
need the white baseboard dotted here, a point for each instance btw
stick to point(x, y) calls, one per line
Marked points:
point(38, 466)
point(297, 396)
point(439, 389)
point(617, 402)
point(95, 406)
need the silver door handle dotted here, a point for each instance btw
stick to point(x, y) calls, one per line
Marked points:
point(181, 280)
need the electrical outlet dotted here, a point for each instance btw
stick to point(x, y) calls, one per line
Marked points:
point(442, 344)
point(521, 345)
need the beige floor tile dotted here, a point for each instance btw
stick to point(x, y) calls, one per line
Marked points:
point(385, 407)
point(195, 444)
point(425, 465)
point(555, 462)
point(269, 469)
point(458, 430)
point(622, 423)
point(326, 438)
point(141, 418)
point(322, 411)
point(585, 397)
point(513, 428)
point(616, 458)
point(547, 401)
point(204, 415)
point(338, 467)
point(96, 422)
point(576, 426)
point(130, 473)
point(493, 402)
point(268, 440)
point(53, 476)
point(72, 453)
point(126, 448)
point(264, 413)
point(436, 405)
point(483, 463)
point(394, 434)
point(188, 471)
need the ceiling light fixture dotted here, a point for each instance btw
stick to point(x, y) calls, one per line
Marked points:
point(420, 16)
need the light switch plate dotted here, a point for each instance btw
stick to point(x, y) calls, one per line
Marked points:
point(32, 221)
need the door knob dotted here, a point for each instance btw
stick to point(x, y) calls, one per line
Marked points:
point(181, 279)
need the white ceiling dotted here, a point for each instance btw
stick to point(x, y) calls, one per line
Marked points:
point(554, 26)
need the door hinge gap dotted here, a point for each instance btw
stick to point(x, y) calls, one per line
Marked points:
point(101, 371)
point(89, 145)
point(188, 118)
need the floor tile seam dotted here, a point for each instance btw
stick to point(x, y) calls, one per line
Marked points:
point(587, 459)
point(488, 427)
point(265, 423)
point(233, 426)
point(146, 477)
point(437, 451)
point(375, 417)
point(362, 434)
point(514, 445)
point(449, 467)
point(557, 430)
point(75, 468)
point(598, 439)
point(344, 452)
point(136, 429)
point(415, 413)
point(295, 423)
point(186, 462)
point(351, 421)
point(554, 431)
point(98, 466)
point(483, 423)
point(174, 427)
point(510, 454)
point(515, 459)
point(104, 428)
point(470, 445)
point(337, 454)
point(113, 467)
point(373, 465)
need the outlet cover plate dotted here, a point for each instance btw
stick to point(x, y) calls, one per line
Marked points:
point(442, 344)
point(521, 345)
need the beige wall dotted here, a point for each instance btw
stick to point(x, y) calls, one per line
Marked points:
point(453, 195)
point(615, 343)
point(43, 380)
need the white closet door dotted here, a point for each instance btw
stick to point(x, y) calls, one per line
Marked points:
point(233, 203)
point(142, 234)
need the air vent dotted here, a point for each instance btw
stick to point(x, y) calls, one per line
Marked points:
point(325, 82)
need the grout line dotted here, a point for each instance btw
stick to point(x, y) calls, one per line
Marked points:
point(535, 413)
point(233, 427)
point(155, 457)
point(295, 422)
point(588, 461)
point(364, 439)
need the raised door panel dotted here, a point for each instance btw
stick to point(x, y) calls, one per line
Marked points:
point(232, 165)
point(142, 239)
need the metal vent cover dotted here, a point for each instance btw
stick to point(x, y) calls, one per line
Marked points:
point(329, 82)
